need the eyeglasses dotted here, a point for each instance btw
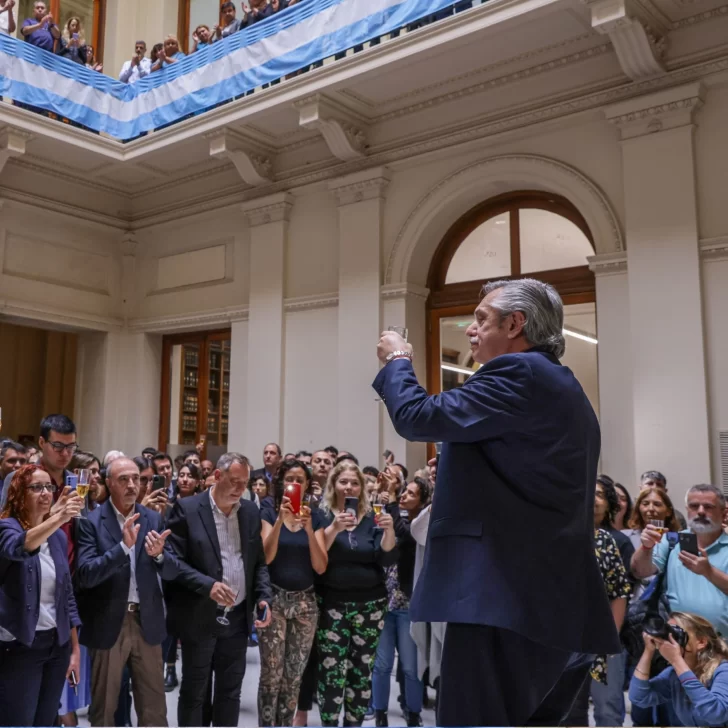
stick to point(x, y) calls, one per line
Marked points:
point(38, 488)
point(61, 446)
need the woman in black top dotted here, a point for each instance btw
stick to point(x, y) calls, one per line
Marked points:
point(295, 552)
point(354, 595)
point(396, 633)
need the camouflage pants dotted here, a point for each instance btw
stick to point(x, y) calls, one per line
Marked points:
point(284, 648)
point(348, 636)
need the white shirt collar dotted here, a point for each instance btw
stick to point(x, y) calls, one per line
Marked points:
point(215, 507)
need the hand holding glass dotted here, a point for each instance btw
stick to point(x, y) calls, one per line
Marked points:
point(401, 330)
point(223, 619)
point(660, 525)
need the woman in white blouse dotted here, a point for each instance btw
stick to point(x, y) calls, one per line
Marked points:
point(38, 637)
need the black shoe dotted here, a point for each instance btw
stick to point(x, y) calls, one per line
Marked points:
point(414, 719)
point(170, 679)
point(381, 719)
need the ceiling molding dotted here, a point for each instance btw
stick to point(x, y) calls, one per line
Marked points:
point(714, 249)
point(398, 291)
point(59, 317)
point(608, 264)
point(703, 17)
point(368, 185)
point(308, 303)
point(272, 208)
point(196, 321)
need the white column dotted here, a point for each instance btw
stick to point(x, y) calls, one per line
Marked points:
point(238, 426)
point(615, 368)
point(118, 380)
point(666, 318)
point(404, 305)
point(361, 201)
point(268, 222)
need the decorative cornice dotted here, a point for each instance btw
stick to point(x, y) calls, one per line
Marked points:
point(62, 317)
point(346, 139)
point(639, 49)
point(368, 185)
point(660, 111)
point(608, 264)
point(700, 17)
point(264, 210)
point(713, 249)
point(254, 169)
point(397, 291)
point(308, 303)
point(128, 243)
point(191, 321)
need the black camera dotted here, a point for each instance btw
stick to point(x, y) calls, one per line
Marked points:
point(659, 628)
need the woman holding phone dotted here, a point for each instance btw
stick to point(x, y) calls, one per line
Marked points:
point(73, 42)
point(354, 595)
point(295, 551)
point(38, 614)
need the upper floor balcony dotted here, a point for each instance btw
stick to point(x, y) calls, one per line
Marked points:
point(330, 87)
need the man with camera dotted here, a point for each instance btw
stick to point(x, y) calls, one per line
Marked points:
point(697, 578)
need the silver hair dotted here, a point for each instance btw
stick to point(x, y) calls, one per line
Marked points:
point(539, 303)
point(707, 488)
point(111, 456)
point(228, 459)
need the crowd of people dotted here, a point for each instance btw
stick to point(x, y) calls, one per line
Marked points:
point(309, 558)
point(313, 560)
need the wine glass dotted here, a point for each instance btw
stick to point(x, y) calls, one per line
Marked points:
point(222, 618)
point(659, 524)
point(377, 507)
point(72, 481)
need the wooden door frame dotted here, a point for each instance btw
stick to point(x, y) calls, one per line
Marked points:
point(165, 400)
point(97, 30)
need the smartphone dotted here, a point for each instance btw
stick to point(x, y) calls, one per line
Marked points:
point(74, 682)
point(158, 482)
point(387, 454)
point(689, 543)
point(351, 505)
point(438, 450)
point(262, 614)
point(72, 481)
point(293, 492)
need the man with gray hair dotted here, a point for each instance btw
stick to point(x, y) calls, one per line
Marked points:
point(696, 583)
point(509, 563)
point(223, 583)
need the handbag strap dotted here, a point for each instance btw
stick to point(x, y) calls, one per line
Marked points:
point(653, 602)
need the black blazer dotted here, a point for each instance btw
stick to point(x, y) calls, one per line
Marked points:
point(103, 572)
point(191, 612)
point(511, 537)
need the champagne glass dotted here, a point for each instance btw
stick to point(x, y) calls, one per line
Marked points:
point(660, 525)
point(377, 507)
point(83, 487)
point(223, 618)
point(72, 481)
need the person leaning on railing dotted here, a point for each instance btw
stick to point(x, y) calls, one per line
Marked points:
point(169, 54)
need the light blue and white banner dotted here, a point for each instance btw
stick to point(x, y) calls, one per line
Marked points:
point(288, 41)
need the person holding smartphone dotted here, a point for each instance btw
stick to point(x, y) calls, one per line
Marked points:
point(73, 42)
point(38, 613)
point(295, 551)
point(354, 595)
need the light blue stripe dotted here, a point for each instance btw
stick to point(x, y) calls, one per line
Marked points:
point(375, 25)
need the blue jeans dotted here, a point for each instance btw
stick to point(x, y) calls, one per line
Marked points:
point(396, 634)
point(609, 708)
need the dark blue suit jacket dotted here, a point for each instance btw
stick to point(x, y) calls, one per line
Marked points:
point(103, 573)
point(20, 585)
point(511, 538)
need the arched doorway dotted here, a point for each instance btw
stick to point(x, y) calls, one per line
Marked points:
point(522, 234)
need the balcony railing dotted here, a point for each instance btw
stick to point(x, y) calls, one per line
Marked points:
point(292, 41)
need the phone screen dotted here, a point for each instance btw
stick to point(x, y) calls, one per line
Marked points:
point(262, 614)
point(689, 543)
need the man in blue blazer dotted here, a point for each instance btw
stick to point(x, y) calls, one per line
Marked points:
point(120, 560)
point(510, 563)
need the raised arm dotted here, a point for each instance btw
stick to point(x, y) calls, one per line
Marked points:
point(492, 402)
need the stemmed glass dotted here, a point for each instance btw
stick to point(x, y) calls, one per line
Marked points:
point(659, 524)
point(222, 618)
point(401, 330)
point(377, 507)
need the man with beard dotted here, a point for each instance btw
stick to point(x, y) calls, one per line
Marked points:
point(695, 584)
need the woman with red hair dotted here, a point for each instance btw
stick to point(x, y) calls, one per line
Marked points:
point(38, 636)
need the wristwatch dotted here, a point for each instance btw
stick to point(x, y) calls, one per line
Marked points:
point(159, 559)
point(397, 354)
